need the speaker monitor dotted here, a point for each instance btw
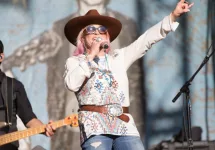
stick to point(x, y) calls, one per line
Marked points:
point(197, 145)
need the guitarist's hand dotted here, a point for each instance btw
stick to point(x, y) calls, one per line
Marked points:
point(50, 129)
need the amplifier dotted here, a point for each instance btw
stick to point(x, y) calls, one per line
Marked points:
point(197, 145)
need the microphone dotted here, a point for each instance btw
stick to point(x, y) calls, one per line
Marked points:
point(104, 46)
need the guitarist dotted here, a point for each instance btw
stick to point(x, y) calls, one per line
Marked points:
point(17, 105)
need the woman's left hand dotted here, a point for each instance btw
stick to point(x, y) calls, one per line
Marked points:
point(181, 8)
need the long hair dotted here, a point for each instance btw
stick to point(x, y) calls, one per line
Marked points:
point(80, 49)
point(80, 46)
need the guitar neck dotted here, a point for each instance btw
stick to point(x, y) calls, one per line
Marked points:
point(14, 136)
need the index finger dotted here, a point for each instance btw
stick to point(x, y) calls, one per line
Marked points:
point(53, 128)
point(50, 121)
point(190, 5)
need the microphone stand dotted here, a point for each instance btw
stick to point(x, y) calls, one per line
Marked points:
point(186, 91)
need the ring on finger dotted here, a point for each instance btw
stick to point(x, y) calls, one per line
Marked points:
point(98, 39)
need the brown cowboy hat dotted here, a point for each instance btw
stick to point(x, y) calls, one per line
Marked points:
point(75, 25)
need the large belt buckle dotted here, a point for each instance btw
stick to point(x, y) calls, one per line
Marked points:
point(114, 110)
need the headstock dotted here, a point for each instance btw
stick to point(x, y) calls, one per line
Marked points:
point(72, 120)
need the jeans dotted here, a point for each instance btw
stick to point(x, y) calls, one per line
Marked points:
point(111, 142)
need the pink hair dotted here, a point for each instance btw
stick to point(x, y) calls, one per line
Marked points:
point(79, 49)
point(80, 46)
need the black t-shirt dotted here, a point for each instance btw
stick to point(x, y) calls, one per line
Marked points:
point(23, 108)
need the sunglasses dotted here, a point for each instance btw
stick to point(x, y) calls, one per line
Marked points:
point(92, 29)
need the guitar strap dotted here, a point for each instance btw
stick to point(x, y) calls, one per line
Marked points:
point(7, 94)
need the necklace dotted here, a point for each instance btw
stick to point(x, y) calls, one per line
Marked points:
point(103, 68)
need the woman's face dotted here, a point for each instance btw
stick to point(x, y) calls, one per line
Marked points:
point(94, 31)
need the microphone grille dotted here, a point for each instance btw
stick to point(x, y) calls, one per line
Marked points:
point(105, 46)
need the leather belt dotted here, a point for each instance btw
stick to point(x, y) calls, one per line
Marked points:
point(104, 110)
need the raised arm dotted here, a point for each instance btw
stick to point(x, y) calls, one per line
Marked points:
point(139, 47)
point(156, 33)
